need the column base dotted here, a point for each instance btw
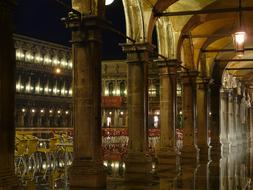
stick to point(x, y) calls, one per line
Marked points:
point(204, 153)
point(168, 163)
point(215, 152)
point(85, 174)
point(8, 181)
point(189, 155)
point(138, 167)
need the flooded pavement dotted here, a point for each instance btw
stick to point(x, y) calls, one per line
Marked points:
point(233, 171)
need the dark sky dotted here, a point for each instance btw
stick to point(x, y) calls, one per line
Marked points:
point(41, 19)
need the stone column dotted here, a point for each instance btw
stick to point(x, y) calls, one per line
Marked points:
point(236, 112)
point(203, 118)
point(21, 121)
point(224, 117)
point(87, 171)
point(189, 153)
point(138, 165)
point(231, 119)
point(202, 126)
point(238, 122)
point(116, 118)
point(243, 119)
point(8, 180)
point(251, 124)
point(189, 113)
point(167, 157)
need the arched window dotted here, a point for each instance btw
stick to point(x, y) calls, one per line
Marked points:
point(122, 87)
point(110, 88)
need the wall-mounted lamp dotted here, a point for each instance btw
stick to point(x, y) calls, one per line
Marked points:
point(239, 36)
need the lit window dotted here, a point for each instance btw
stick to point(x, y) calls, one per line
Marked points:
point(47, 60)
point(38, 58)
point(156, 121)
point(64, 63)
point(56, 61)
point(20, 55)
point(70, 92)
point(29, 57)
point(18, 86)
point(70, 64)
point(152, 91)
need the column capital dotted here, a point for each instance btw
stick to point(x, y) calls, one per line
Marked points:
point(137, 52)
point(84, 28)
point(203, 83)
point(167, 63)
point(189, 77)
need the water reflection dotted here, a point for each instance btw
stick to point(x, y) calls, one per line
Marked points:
point(44, 164)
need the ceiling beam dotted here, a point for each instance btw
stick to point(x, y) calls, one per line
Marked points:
point(206, 35)
point(202, 11)
point(242, 68)
point(233, 60)
point(223, 50)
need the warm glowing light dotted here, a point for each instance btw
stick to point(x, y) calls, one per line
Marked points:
point(23, 110)
point(66, 112)
point(59, 111)
point(240, 37)
point(42, 111)
point(108, 2)
point(33, 110)
point(121, 113)
point(50, 111)
point(58, 70)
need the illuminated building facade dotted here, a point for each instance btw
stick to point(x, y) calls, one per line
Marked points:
point(44, 93)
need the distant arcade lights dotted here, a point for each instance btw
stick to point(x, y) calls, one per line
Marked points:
point(108, 2)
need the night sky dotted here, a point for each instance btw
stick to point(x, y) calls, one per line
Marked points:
point(41, 19)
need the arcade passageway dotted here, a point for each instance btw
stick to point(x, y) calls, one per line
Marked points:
point(204, 48)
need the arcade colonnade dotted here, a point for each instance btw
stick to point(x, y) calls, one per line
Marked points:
point(203, 104)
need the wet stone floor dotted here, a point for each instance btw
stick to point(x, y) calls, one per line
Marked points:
point(233, 171)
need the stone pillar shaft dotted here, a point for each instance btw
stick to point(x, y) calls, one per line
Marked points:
point(167, 106)
point(87, 169)
point(189, 111)
point(231, 119)
point(137, 164)
point(224, 117)
point(203, 118)
point(7, 98)
point(167, 157)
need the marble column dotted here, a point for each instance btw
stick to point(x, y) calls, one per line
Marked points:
point(21, 121)
point(203, 118)
point(8, 180)
point(138, 165)
point(231, 119)
point(243, 119)
point(189, 113)
point(251, 123)
point(87, 171)
point(167, 157)
point(236, 113)
point(189, 152)
point(203, 95)
point(224, 118)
